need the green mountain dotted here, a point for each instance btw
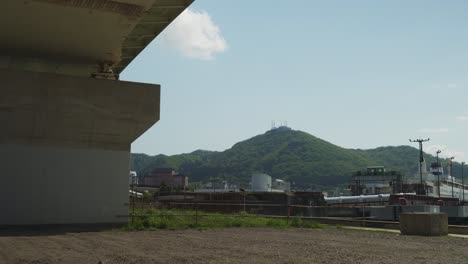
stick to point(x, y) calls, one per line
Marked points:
point(286, 154)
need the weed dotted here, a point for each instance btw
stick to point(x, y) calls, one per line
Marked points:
point(152, 219)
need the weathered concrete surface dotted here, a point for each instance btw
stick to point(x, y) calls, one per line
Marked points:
point(455, 211)
point(42, 108)
point(424, 224)
point(65, 146)
point(58, 185)
point(77, 37)
point(392, 212)
point(65, 141)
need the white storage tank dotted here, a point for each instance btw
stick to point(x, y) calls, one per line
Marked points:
point(261, 182)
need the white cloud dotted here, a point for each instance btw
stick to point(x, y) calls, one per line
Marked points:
point(453, 85)
point(195, 35)
point(433, 130)
point(445, 152)
point(462, 118)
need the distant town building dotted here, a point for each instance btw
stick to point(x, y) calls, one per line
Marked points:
point(280, 185)
point(222, 186)
point(133, 178)
point(165, 177)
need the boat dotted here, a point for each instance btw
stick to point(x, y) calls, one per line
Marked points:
point(437, 183)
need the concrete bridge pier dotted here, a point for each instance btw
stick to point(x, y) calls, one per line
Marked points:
point(65, 146)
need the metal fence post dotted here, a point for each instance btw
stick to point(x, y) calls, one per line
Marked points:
point(363, 215)
point(133, 202)
point(196, 214)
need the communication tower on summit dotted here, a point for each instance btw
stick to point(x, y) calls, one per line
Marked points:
point(283, 125)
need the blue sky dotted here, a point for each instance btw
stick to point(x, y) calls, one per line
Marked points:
point(359, 74)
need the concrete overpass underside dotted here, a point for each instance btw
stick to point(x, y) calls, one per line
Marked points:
point(67, 122)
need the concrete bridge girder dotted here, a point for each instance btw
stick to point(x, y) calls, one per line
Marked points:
point(67, 129)
point(76, 37)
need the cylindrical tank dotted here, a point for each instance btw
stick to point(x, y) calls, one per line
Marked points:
point(261, 182)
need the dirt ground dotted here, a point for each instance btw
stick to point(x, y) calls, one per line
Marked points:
point(259, 245)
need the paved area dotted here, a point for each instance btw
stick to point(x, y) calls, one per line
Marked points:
point(391, 231)
point(259, 245)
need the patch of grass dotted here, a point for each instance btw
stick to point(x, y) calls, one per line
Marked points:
point(277, 224)
point(299, 222)
point(152, 219)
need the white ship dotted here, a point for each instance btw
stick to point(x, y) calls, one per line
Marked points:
point(450, 186)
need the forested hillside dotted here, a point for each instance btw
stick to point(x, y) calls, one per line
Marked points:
point(287, 154)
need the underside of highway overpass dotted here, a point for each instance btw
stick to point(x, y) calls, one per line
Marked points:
point(67, 121)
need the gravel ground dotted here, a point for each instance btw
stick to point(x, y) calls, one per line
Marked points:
point(243, 245)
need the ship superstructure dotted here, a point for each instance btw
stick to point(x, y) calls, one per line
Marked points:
point(437, 183)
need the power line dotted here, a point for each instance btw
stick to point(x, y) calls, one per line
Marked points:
point(422, 190)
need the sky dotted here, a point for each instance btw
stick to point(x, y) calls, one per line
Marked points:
point(359, 74)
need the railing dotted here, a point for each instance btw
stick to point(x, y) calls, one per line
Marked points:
point(200, 209)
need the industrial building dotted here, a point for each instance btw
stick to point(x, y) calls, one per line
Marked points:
point(166, 177)
point(67, 120)
point(376, 180)
point(222, 186)
point(280, 185)
point(269, 203)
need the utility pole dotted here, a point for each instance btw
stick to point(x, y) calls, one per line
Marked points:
point(463, 183)
point(451, 173)
point(421, 160)
point(438, 172)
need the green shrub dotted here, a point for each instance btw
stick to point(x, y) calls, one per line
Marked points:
point(296, 222)
point(277, 223)
point(152, 219)
point(162, 224)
